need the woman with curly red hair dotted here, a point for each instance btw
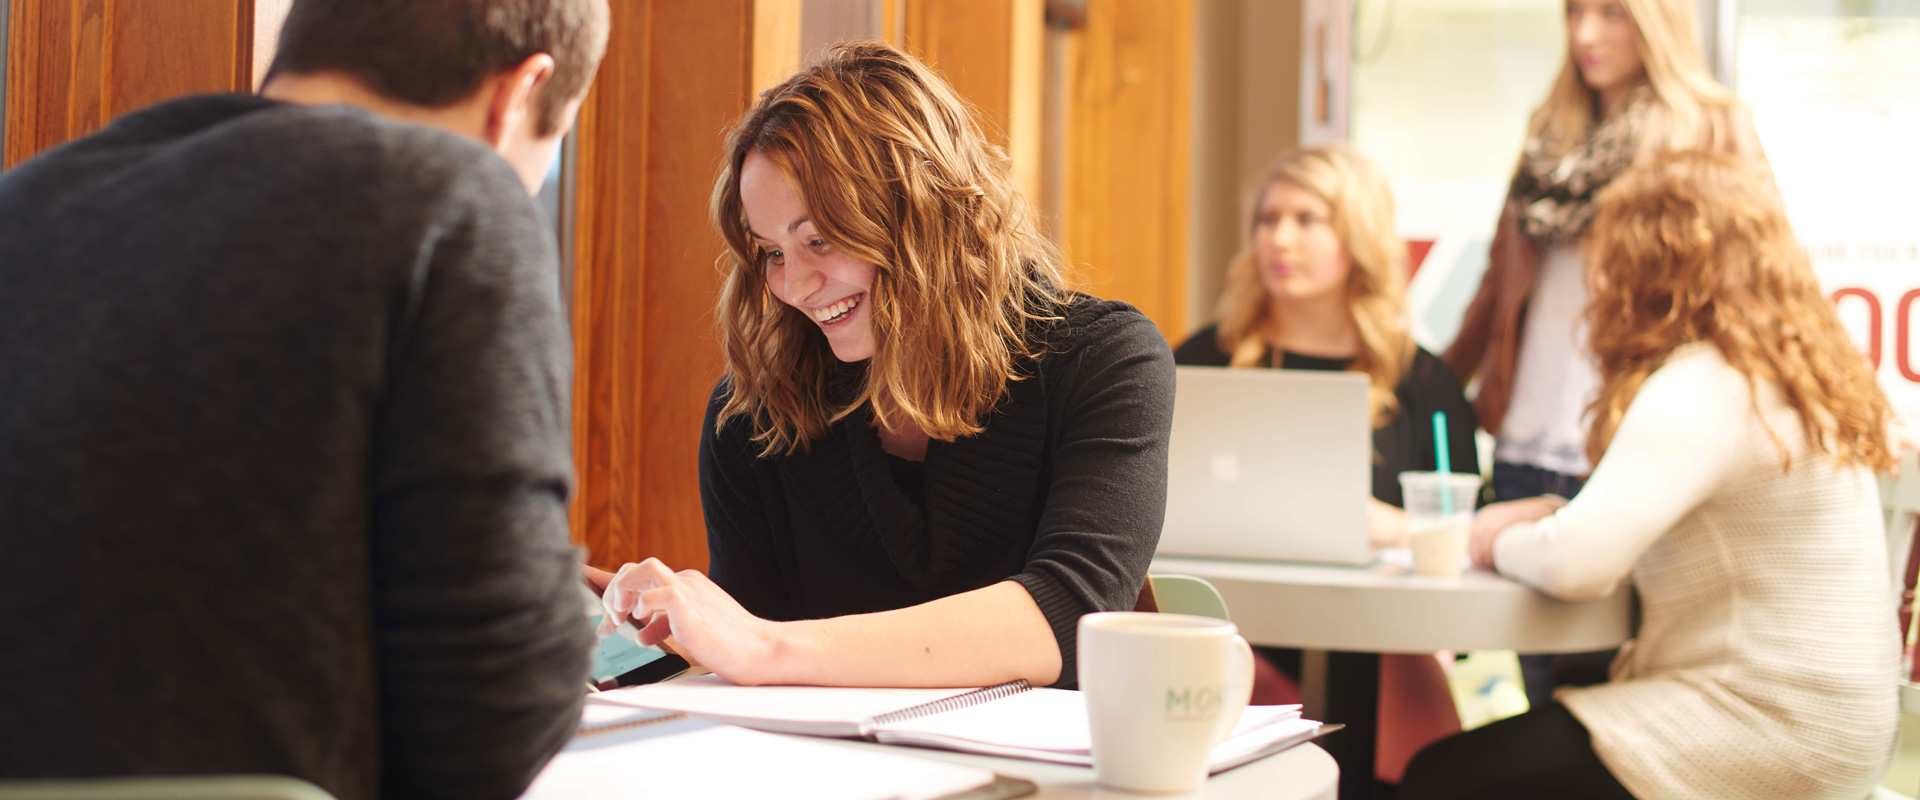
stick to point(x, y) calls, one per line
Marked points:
point(1634, 83)
point(1735, 438)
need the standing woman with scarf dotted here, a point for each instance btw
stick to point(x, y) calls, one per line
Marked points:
point(1634, 85)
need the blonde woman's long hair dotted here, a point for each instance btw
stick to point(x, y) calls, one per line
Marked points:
point(1695, 247)
point(1362, 209)
point(1690, 110)
point(894, 171)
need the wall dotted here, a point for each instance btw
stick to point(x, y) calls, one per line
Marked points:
point(1246, 112)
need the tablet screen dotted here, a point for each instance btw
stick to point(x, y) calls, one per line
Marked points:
point(616, 656)
point(624, 661)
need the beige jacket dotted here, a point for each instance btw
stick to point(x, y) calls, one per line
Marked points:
point(1766, 661)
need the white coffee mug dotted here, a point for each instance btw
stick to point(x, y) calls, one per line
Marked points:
point(1161, 691)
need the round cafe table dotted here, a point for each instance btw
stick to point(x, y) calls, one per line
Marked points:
point(1345, 617)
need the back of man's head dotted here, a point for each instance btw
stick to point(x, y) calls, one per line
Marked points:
point(433, 53)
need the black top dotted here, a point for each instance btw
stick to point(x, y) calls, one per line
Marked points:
point(283, 457)
point(1406, 441)
point(1065, 492)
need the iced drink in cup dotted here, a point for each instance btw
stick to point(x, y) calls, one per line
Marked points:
point(1439, 509)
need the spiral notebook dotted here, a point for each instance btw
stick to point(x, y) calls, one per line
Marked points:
point(842, 712)
point(1012, 720)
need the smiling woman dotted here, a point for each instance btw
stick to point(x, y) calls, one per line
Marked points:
point(827, 285)
point(928, 458)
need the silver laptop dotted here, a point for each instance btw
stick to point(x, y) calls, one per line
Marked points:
point(1269, 464)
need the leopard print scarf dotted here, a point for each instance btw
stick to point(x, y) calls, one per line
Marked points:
point(1555, 192)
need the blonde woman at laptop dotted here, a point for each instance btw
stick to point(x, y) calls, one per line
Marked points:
point(927, 459)
point(1320, 285)
point(1735, 438)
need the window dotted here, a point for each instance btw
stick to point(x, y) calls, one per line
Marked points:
point(1441, 91)
point(1835, 93)
point(556, 207)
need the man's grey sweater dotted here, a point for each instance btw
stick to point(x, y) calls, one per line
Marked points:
point(284, 458)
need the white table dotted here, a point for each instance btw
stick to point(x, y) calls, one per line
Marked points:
point(1356, 613)
point(1305, 772)
point(1384, 609)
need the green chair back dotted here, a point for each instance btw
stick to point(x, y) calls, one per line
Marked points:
point(178, 787)
point(1186, 594)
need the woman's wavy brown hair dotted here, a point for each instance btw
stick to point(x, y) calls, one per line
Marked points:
point(1361, 203)
point(895, 172)
point(1695, 247)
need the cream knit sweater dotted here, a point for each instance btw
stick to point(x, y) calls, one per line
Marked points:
point(1766, 662)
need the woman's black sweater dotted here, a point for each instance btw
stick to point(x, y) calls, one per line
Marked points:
point(1406, 441)
point(1064, 492)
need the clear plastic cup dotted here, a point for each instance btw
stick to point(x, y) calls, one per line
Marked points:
point(1439, 508)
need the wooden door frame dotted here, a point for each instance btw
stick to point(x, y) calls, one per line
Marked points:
point(644, 265)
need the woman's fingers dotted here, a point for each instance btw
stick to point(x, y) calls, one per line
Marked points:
point(616, 598)
point(1482, 548)
point(684, 612)
point(657, 630)
point(597, 579)
point(654, 609)
point(1490, 519)
point(622, 596)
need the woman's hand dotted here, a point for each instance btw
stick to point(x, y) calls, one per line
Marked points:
point(597, 579)
point(1386, 525)
point(710, 628)
point(1491, 520)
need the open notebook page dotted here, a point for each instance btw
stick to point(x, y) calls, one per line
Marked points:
point(813, 710)
point(1051, 725)
point(724, 761)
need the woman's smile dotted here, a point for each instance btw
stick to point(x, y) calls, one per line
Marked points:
point(836, 316)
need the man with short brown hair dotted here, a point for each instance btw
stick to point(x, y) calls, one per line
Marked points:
point(433, 54)
point(286, 380)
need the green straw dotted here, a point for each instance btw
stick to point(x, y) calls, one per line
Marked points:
point(1446, 459)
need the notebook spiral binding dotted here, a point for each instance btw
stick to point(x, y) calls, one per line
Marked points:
point(958, 701)
point(621, 726)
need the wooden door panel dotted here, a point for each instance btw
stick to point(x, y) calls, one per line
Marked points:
point(74, 65)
